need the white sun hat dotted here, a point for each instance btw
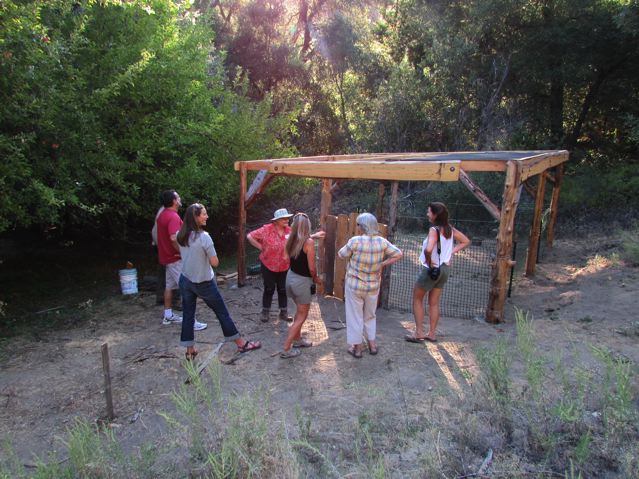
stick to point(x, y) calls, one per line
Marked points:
point(281, 213)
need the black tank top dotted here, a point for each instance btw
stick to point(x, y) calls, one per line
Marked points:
point(299, 265)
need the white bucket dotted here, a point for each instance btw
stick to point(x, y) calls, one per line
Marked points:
point(129, 281)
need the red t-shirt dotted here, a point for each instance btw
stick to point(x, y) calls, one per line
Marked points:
point(273, 244)
point(169, 223)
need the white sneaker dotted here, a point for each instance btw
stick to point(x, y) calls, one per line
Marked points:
point(175, 319)
point(197, 326)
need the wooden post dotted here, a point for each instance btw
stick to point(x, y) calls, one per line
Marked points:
point(554, 205)
point(384, 288)
point(535, 228)
point(503, 263)
point(241, 240)
point(381, 192)
point(329, 252)
point(107, 381)
point(341, 238)
point(325, 210)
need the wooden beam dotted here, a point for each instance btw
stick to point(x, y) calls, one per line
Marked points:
point(483, 198)
point(535, 228)
point(549, 177)
point(554, 205)
point(329, 254)
point(260, 182)
point(341, 237)
point(370, 170)
point(503, 262)
point(483, 165)
point(529, 189)
point(540, 163)
point(392, 228)
point(241, 240)
point(325, 210)
point(381, 192)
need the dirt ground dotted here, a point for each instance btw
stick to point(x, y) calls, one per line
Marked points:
point(579, 296)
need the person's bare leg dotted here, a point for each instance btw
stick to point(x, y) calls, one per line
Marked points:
point(418, 311)
point(433, 311)
point(295, 330)
point(168, 298)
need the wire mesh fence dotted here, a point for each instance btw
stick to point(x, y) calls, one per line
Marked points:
point(466, 292)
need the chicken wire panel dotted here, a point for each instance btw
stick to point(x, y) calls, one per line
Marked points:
point(466, 291)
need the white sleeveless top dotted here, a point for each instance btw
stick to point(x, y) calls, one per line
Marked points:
point(446, 245)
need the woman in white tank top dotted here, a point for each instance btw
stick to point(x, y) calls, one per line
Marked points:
point(437, 252)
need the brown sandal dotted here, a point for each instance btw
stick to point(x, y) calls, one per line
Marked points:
point(190, 355)
point(249, 346)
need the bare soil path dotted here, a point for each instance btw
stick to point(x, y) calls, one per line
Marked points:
point(579, 297)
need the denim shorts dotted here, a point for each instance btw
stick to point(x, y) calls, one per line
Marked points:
point(298, 288)
point(425, 282)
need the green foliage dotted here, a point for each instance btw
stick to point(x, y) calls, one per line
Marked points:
point(107, 103)
point(630, 246)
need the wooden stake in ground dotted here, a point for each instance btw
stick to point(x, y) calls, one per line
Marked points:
point(107, 381)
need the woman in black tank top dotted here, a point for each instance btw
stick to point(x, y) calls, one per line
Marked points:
point(300, 248)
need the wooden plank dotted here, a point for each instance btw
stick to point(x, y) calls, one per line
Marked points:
point(260, 182)
point(503, 262)
point(483, 165)
point(381, 192)
point(341, 237)
point(241, 241)
point(371, 170)
point(329, 253)
point(554, 205)
point(483, 198)
point(106, 369)
point(352, 225)
point(535, 228)
point(540, 163)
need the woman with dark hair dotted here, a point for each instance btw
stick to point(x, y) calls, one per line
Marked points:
point(300, 250)
point(437, 252)
point(198, 281)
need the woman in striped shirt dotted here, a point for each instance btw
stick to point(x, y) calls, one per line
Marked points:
point(367, 253)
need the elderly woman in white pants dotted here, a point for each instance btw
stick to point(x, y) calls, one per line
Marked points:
point(368, 253)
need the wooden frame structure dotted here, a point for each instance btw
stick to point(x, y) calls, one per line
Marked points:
point(520, 167)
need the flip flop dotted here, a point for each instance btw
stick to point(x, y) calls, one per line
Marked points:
point(426, 338)
point(249, 346)
point(413, 339)
point(354, 353)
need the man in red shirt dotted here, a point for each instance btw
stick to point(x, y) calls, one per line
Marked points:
point(168, 224)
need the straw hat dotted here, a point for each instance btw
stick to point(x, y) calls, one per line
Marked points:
point(281, 213)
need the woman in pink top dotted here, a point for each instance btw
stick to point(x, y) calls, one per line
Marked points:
point(270, 239)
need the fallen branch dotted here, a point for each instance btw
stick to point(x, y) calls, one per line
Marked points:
point(206, 361)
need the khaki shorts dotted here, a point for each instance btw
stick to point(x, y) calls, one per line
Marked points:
point(426, 283)
point(173, 272)
point(298, 288)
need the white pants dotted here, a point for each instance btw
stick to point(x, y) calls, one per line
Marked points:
point(360, 315)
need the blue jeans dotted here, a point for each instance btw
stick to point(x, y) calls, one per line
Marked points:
point(208, 291)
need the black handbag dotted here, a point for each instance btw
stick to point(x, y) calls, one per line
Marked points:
point(434, 271)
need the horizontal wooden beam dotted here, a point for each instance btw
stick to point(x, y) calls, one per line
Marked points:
point(370, 170)
point(483, 165)
point(540, 163)
point(483, 198)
